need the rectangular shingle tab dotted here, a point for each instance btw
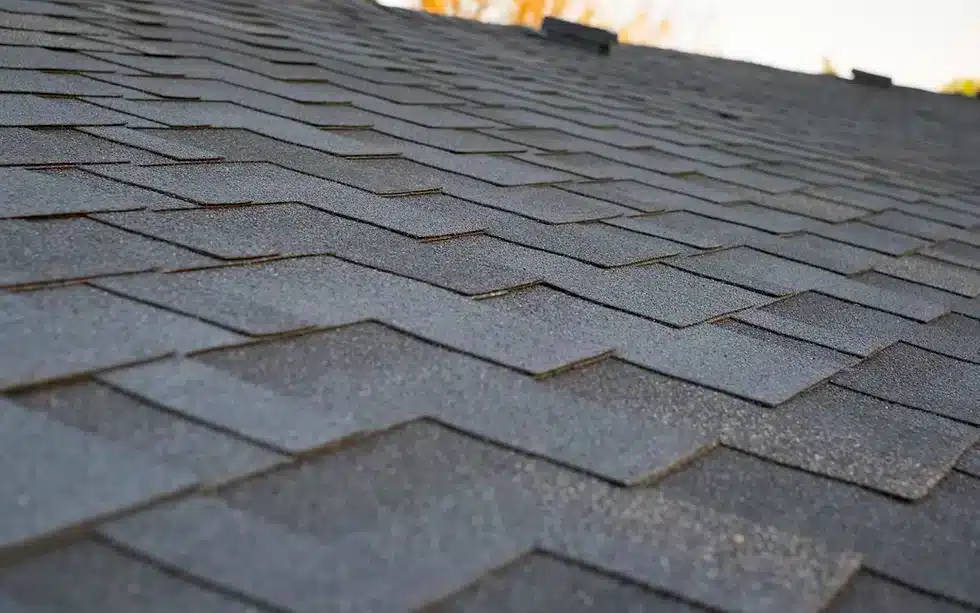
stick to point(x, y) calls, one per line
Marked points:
point(64, 249)
point(93, 576)
point(64, 478)
point(922, 546)
point(919, 378)
point(826, 321)
point(70, 331)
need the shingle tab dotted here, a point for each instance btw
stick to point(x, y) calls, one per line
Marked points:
point(859, 439)
point(934, 273)
point(64, 478)
point(113, 416)
point(926, 547)
point(330, 292)
point(919, 378)
point(47, 147)
point(547, 204)
point(90, 576)
point(21, 110)
point(953, 335)
point(761, 367)
point(869, 237)
point(822, 253)
point(830, 322)
point(545, 583)
point(35, 252)
point(691, 229)
point(955, 252)
point(70, 331)
point(665, 294)
point(756, 270)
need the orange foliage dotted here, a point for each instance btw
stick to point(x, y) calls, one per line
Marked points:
point(643, 29)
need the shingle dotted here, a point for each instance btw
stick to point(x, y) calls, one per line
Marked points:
point(69, 331)
point(64, 478)
point(960, 219)
point(198, 114)
point(921, 379)
point(753, 178)
point(595, 243)
point(546, 139)
point(231, 183)
point(970, 462)
point(21, 110)
point(38, 82)
point(970, 308)
point(368, 377)
point(38, 58)
point(539, 582)
point(854, 197)
point(756, 270)
point(433, 116)
point(750, 215)
point(811, 206)
point(65, 249)
point(934, 273)
point(154, 142)
point(284, 422)
point(89, 576)
point(910, 289)
point(25, 147)
point(857, 438)
point(251, 232)
point(421, 476)
point(955, 252)
point(632, 194)
point(870, 593)
point(294, 229)
point(268, 562)
point(709, 555)
point(927, 546)
point(497, 169)
point(42, 41)
point(869, 237)
point(456, 140)
point(821, 252)
point(911, 225)
point(953, 335)
point(330, 292)
point(110, 415)
point(27, 193)
point(664, 294)
point(751, 364)
point(691, 229)
point(547, 204)
point(830, 322)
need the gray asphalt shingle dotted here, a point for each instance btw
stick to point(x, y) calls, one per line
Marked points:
point(333, 305)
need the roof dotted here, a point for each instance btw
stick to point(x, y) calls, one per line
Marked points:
point(320, 306)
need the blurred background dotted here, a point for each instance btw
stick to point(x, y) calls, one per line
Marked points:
point(934, 45)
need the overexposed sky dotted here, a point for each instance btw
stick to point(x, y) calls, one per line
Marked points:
point(920, 44)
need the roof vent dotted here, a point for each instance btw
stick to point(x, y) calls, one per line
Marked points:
point(586, 37)
point(868, 78)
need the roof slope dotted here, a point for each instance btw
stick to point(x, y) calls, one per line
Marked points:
point(318, 306)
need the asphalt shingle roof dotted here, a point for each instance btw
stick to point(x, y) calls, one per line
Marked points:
point(321, 306)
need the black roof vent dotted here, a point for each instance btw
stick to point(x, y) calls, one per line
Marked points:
point(586, 37)
point(867, 78)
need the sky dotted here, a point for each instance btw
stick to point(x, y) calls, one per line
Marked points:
point(917, 44)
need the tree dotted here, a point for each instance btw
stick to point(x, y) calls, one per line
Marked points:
point(642, 29)
point(964, 87)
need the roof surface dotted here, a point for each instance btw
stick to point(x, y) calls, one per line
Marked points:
point(319, 306)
